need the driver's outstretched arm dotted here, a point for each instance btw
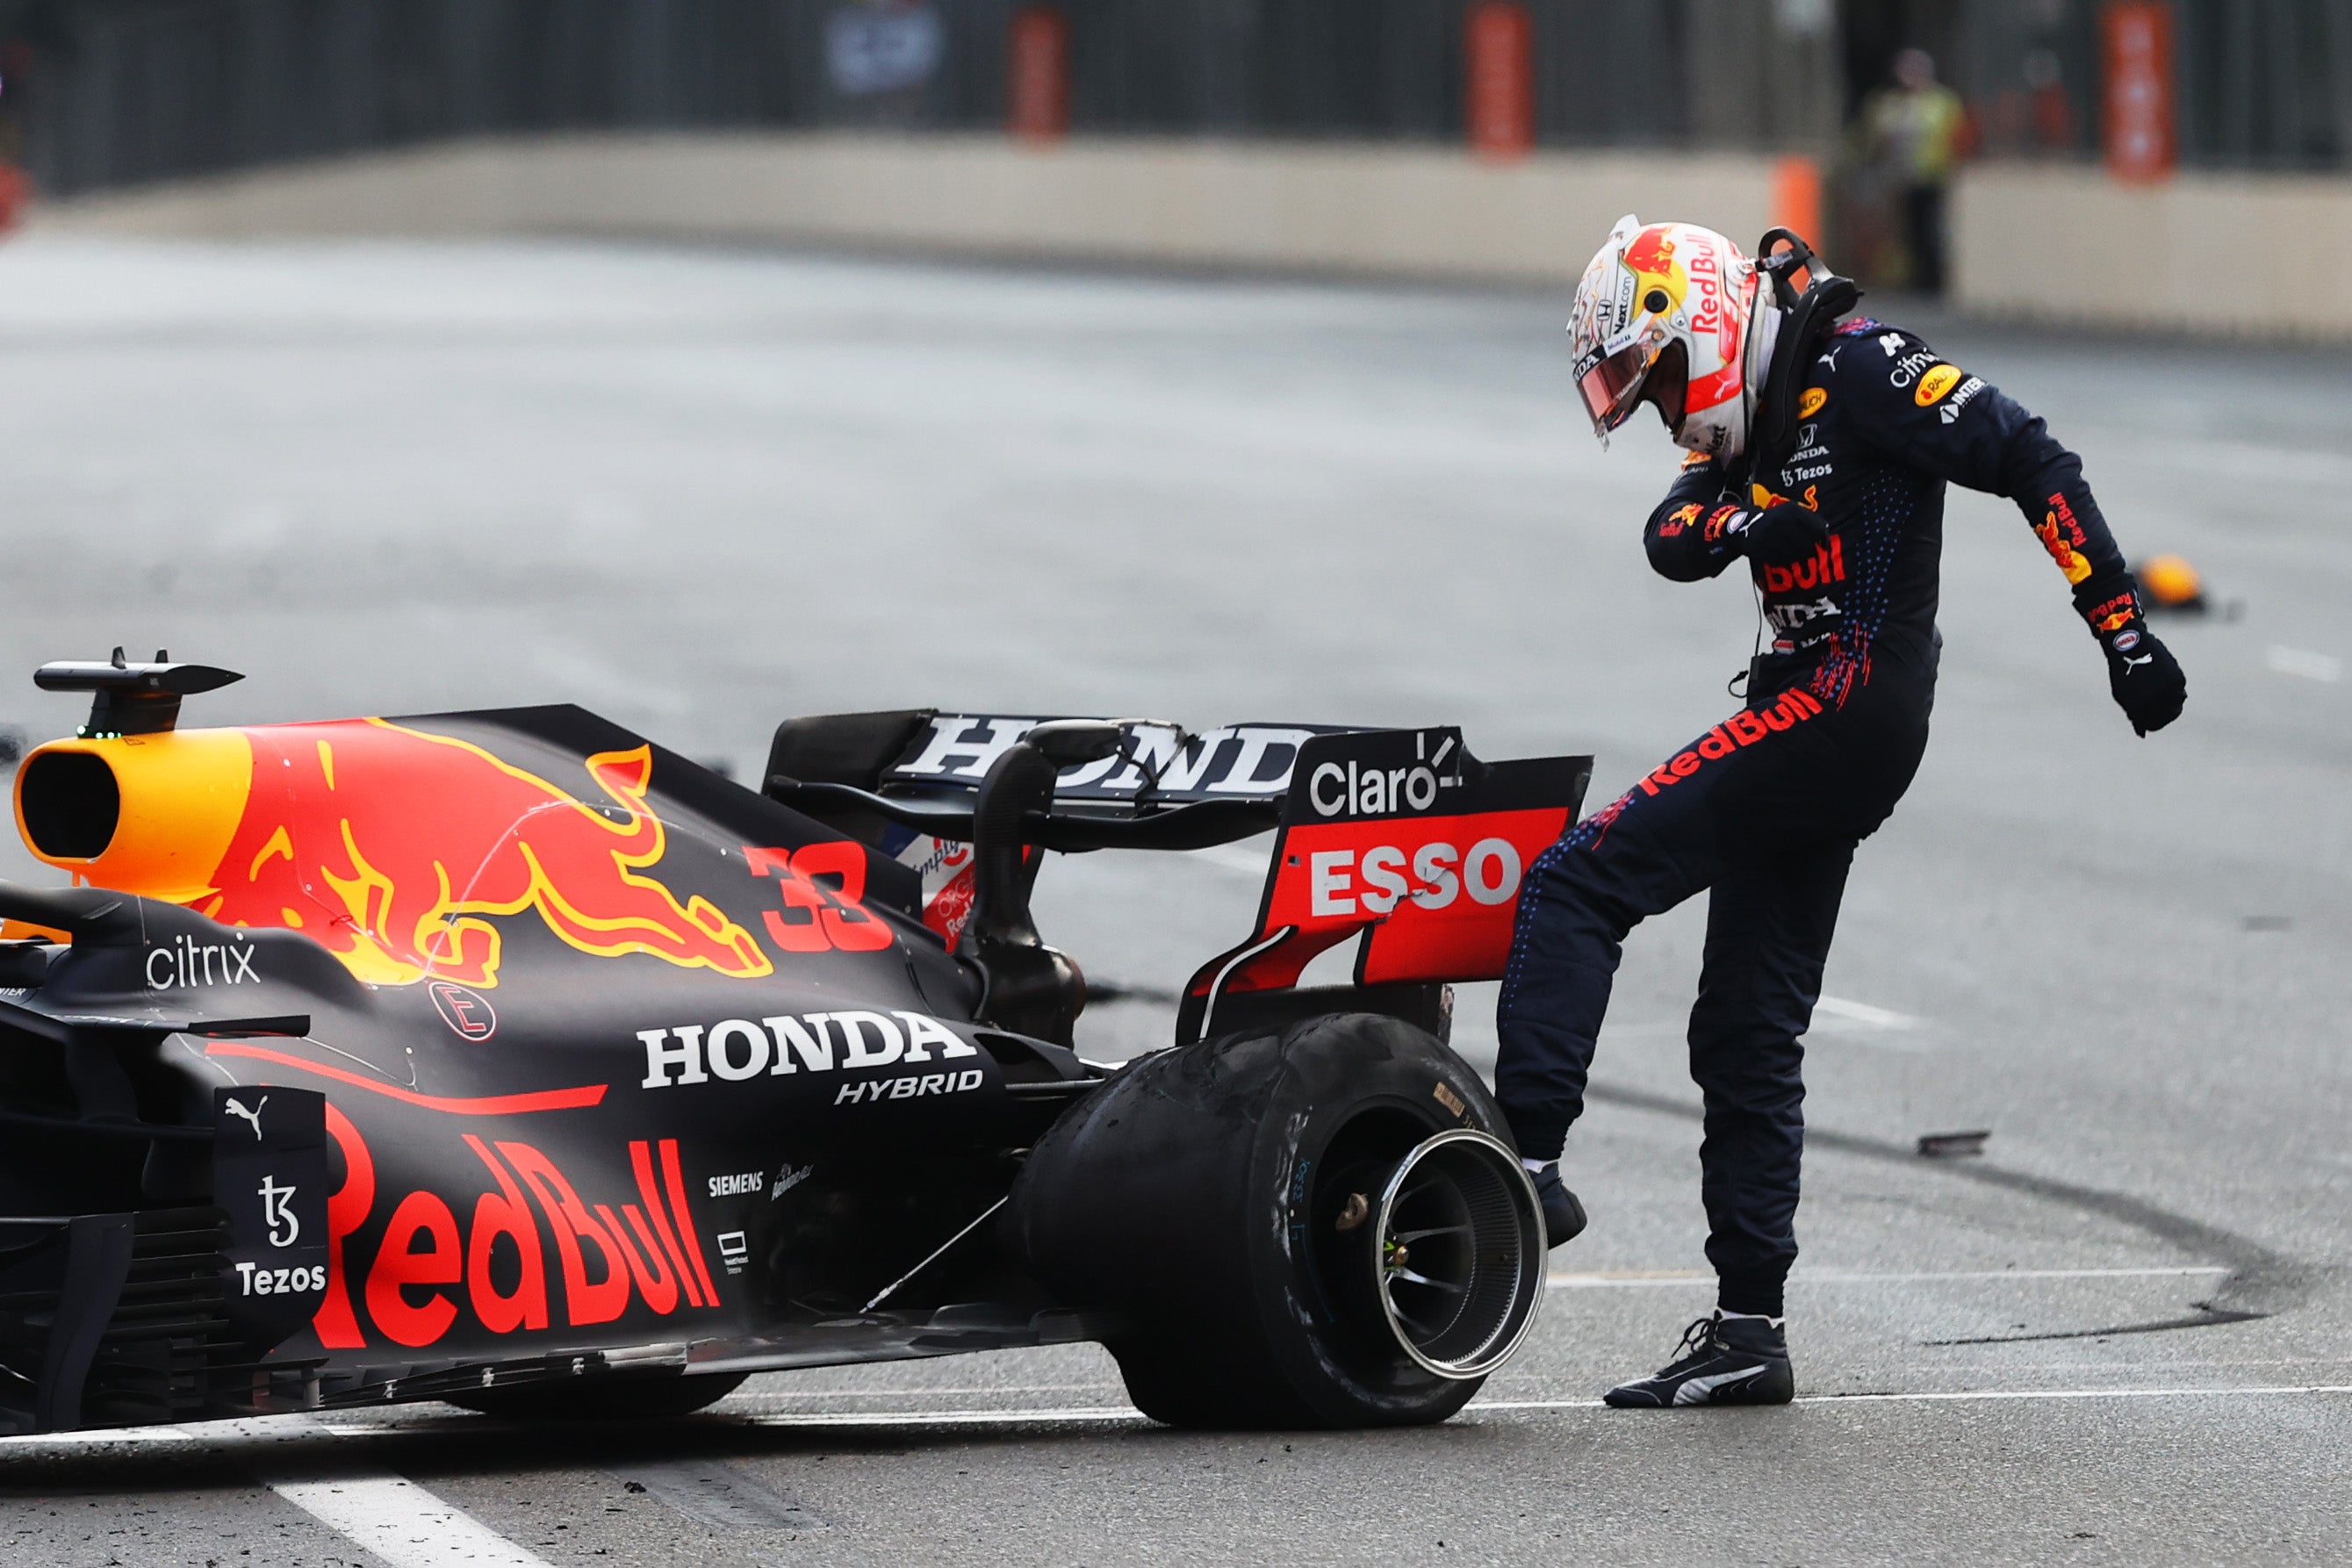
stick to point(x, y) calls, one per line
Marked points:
point(1935, 416)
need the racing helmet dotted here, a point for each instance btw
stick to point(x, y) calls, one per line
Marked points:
point(1666, 315)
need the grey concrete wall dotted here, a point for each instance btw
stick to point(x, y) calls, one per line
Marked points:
point(2049, 243)
point(1420, 212)
point(2211, 254)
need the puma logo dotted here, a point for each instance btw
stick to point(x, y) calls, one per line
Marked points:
point(2132, 664)
point(236, 1108)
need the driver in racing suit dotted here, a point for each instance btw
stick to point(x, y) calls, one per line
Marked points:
point(1819, 453)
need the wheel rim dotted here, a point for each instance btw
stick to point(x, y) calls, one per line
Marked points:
point(1458, 1253)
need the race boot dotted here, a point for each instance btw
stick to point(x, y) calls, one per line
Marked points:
point(1721, 1360)
point(1563, 1215)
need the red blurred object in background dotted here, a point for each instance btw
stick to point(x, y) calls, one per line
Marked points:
point(1797, 197)
point(1498, 50)
point(1038, 94)
point(2136, 40)
point(2054, 119)
point(13, 188)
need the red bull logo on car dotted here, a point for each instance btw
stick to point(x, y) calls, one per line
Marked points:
point(398, 893)
point(483, 1259)
point(397, 850)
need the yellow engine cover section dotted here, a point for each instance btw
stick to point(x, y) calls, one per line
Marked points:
point(179, 797)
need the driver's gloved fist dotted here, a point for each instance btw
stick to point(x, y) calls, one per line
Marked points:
point(2142, 674)
point(1781, 534)
point(2144, 678)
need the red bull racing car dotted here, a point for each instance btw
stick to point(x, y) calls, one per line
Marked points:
point(508, 1059)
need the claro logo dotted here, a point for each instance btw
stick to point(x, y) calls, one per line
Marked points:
point(1346, 790)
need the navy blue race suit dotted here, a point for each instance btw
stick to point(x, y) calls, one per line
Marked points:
point(1767, 807)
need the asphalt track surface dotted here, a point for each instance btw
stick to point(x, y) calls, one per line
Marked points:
point(703, 490)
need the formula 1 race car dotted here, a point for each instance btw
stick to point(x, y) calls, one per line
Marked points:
point(507, 1060)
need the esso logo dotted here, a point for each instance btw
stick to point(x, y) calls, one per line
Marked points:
point(1350, 791)
point(1339, 882)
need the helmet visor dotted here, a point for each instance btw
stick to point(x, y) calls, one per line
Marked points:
point(1653, 369)
point(1611, 386)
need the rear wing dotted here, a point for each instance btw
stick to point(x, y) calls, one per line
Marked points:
point(908, 781)
point(1401, 840)
point(1165, 788)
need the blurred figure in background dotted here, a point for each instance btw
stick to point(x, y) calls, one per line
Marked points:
point(1913, 131)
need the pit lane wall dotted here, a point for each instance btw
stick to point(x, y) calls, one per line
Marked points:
point(2067, 246)
point(2062, 244)
point(1434, 212)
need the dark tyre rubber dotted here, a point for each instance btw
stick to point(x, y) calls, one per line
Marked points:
point(1205, 1196)
point(655, 1398)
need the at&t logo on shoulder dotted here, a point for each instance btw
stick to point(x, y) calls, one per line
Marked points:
point(736, 1049)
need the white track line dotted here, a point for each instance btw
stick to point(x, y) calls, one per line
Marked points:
point(2266, 1390)
point(409, 1527)
point(1099, 1414)
point(403, 1523)
point(1646, 1280)
point(1029, 1389)
point(1967, 1395)
point(945, 1418)
point(96, 1439)
point(390, 1515)
point(1851, 1011)
point(2324, 667)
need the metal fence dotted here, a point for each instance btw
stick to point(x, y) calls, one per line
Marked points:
point(2267, 83)
point(2259, 84)
point(125, 91)
point(114, 92)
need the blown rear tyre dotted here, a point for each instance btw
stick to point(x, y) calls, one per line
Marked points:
point(1240, 1204)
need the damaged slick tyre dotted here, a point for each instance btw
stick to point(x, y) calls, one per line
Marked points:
point(1322, 1225)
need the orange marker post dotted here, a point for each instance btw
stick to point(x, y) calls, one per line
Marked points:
point(1797, 197)
point(1037, 94)
point(1499, 55)
point(2136, 116)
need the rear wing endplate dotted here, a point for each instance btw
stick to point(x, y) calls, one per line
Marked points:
point(1403, 841)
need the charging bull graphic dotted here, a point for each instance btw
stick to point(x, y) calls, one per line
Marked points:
point(397, 901)
point(393, 847)
point(345, 857)
point(1651, 259)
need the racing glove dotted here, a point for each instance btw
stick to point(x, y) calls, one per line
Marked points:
point(1781, 534)
point(2142, 674)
